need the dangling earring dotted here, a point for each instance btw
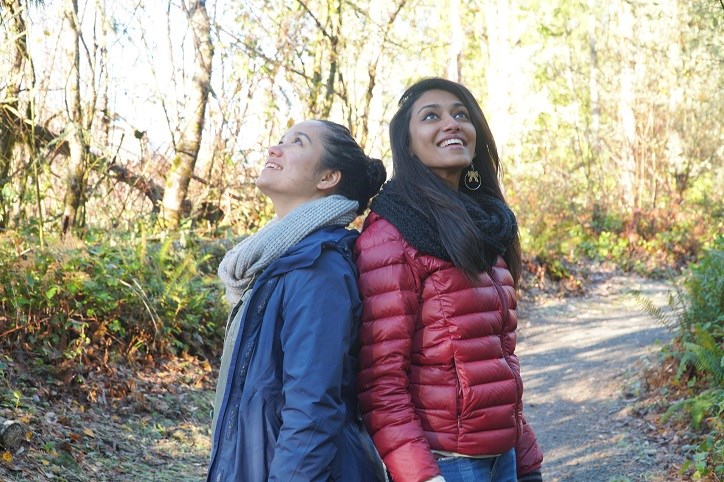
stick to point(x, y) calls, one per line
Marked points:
point(472, 179)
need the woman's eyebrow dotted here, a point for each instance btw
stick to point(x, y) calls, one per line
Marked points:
point(309, 139)
point(429, 106)
point(437, 106)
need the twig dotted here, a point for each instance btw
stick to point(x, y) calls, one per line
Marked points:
point(10, 331)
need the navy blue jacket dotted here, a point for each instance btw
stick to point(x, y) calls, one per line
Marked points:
point(289, 411)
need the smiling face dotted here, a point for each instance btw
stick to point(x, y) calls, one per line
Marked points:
point(442, 135)
point(291, 174)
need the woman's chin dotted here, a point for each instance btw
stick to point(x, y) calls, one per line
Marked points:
point(262, 183)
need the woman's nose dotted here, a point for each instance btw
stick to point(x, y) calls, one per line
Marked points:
point(275, 151)
point(451, 123)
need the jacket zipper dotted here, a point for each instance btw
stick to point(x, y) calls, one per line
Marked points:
point(458, 395)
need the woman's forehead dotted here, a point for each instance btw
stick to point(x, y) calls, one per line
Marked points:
point(435, 97)
point(308, 127)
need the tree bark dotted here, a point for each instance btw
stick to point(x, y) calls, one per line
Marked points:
point(372, 69)
point(102, 109)
point(76, 163)
point(187, 148)
point(498, 71)
point(628, 181)
point(41, 137)
point(457, 37)
point(10, 130)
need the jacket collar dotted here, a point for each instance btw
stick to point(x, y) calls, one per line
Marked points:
point(306, 251)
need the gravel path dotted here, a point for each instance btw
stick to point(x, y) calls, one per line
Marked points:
point(579, 359)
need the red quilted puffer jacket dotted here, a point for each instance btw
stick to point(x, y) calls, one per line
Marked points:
point(438, 369)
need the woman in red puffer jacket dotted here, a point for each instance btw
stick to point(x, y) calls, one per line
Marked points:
point(439, 260)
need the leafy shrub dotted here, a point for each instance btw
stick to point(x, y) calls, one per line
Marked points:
point(698, 348)
point(108, 296)
point(562, 219)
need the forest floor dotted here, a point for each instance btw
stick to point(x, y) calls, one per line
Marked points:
point(582, 359)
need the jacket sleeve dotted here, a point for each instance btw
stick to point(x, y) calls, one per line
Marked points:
point(319, 312)
point(389, 288)
point(528, 454)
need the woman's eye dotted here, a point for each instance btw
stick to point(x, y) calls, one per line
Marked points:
point(461, 115)
point(430, 115)
point(297, 140)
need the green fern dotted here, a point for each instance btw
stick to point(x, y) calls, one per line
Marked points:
point(697, 321)
point(669, 320)
point(708, 361)
point(709, 404)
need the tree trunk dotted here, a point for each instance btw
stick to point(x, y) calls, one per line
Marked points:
point(376, 13)
point(593, 78)
point(595, 173)
point(626, 108)
point(456, 42)
point(102, 109)
point(76, 162)
point(675, 143)
point(10, 130)
point(187, 148)
point(336, 41)
point(498, 71)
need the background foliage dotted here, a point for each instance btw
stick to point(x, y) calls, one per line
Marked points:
point(131, 134)
point(126, 127)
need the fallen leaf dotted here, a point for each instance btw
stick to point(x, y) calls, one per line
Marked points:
point(89, 432)
point(7, 457)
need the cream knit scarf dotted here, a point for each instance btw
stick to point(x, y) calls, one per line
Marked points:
point(243, 263)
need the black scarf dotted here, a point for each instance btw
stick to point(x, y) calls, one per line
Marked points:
point(493, 219)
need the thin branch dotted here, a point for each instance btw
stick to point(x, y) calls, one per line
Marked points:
point(319, 24)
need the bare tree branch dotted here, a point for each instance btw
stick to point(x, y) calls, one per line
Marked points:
point(319, 24)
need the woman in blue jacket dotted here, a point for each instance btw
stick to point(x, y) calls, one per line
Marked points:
point(286, 407)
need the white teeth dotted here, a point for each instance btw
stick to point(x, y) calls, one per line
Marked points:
point(451, 141)
point(270, 165)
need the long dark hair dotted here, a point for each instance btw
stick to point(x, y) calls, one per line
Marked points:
point(431, 196)
point(362, 176)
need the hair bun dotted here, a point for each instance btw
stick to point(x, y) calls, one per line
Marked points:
point(376, 174)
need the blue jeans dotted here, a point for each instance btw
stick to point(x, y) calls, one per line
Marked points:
point(491, 469)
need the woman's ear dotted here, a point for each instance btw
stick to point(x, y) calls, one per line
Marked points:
point(329, 180)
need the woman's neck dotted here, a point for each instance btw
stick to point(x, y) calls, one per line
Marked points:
point(284, 205)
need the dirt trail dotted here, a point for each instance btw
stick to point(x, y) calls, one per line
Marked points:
point(580, 358)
